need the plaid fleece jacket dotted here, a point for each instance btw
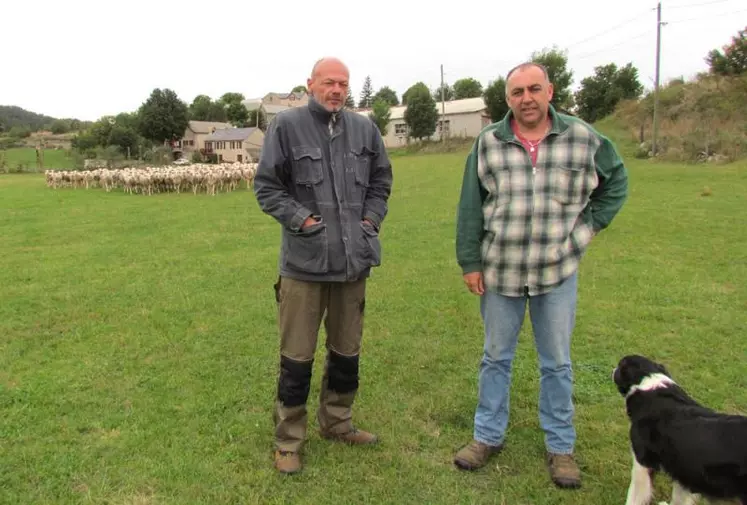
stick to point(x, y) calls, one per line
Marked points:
point(526, 228)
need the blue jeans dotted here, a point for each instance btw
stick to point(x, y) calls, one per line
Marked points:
point(553, 317)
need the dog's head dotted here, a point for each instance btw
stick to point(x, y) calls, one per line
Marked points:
point(633, 369)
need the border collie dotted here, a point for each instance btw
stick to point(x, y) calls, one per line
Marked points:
point(703, 451)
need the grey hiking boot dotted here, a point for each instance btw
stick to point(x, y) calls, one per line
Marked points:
point(475, 455)
point(564, 471)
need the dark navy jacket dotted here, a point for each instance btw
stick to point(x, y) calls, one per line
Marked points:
point(340, 178)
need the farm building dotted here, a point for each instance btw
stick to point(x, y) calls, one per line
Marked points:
point(235, 144)
point(274, 103)
point(463, 118)
point(194, 137)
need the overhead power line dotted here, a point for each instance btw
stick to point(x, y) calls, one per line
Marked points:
point(624, 42)
point(701, 18)
point(605, 32)
point(696, 5)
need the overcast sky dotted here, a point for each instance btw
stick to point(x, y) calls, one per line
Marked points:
point(88, 58)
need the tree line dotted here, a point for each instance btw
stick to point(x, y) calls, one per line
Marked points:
point(597, 97)
point(164, 117)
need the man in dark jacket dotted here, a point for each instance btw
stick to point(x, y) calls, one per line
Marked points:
point(325, 176)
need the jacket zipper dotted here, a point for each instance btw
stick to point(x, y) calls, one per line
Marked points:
point(531, 221)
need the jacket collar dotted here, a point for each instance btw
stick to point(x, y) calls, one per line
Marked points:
point(505, 133)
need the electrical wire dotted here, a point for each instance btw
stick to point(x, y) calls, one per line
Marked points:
point(700, 18)
point(695, 5)
point(611, 29)
point(586, 55)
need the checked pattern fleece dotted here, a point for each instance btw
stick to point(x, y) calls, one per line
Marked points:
point(535, 228)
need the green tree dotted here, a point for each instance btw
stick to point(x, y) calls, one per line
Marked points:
point(229, 98)
point(59, 126)
point(495, 99)
point(126, 119)
point(203, 108)
point(124, 137)
point(163, 116)
point(366, 99)
point(19, 132)
point(733, 61)
point(417, 87)
point(556, 63)
point(381, 115)
point(298, 89)
point(237, 114)
point(101, 129)
point(448, 93)
point(421, 114)
point(388, 95)
point(349, 100)
point(599, 94)
point(467, 88)
point(84, 142)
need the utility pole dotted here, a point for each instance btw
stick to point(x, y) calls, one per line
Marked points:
point(443, 106)
point(655, 130)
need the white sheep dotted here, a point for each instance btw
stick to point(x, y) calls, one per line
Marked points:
point(198, 177)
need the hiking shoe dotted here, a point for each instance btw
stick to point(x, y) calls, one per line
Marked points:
point(353, 437)
point(475, 455)
point(564, 471)
point(287, 462)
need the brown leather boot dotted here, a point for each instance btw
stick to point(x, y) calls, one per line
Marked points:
point(353, 437)
point(564, 471)
point(475, 455)
point(287, 462)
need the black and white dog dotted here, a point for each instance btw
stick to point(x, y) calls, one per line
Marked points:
point(703, 451)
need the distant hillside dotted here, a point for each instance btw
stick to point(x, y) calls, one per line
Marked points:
point(704, 119)
point(11, 116)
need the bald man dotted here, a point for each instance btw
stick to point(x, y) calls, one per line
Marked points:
point(538, 186)
point(325, 177)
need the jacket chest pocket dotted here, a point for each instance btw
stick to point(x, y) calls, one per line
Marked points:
point(358, 172)
point(307, 165)
point(568, 184)
point(308, 173)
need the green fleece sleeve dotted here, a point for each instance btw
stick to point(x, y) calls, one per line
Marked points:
point(469, 229)
point(608, 198)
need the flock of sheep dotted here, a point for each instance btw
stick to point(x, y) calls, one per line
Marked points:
point(207, 178)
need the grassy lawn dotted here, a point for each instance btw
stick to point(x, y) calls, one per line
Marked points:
point(53, 159)
point(138, 345)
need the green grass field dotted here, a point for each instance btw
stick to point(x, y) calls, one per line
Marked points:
point(138, 346)
point(53, 159)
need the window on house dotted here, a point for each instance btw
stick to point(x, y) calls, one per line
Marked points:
point(400, 129)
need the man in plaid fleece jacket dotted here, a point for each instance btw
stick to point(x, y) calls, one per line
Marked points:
point(537, 187)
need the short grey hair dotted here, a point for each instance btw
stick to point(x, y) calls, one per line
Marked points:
point(528, 64)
